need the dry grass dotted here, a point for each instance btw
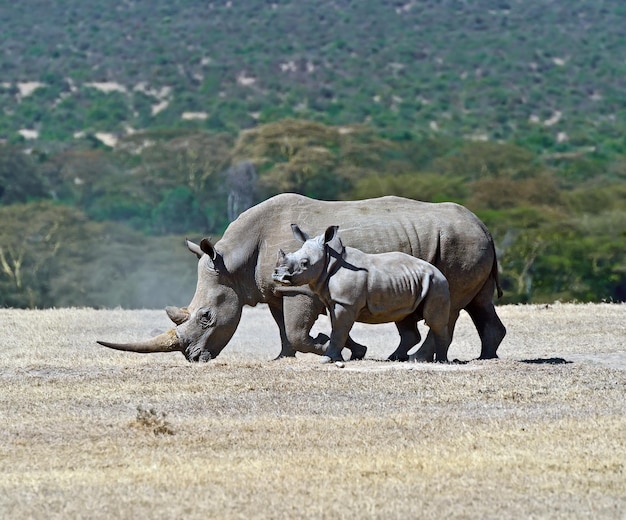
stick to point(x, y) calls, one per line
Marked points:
point(89, 432)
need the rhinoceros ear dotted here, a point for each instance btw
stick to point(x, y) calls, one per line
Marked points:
point(217, 261)
point(194, 248)
point(208, 249)
point(300, 235)
point(330, 233)
point(205, 248)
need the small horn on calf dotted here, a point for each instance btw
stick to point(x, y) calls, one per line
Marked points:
point(166, 342)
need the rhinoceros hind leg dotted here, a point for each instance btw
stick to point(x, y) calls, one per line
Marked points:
point(426, 352)
point(357, 350)
point(488, 324)
point(409, 337)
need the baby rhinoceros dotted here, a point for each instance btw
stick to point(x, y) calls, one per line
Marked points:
point(369, 288)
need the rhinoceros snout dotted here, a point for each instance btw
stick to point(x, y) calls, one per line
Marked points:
point(281, 277)
point(197, 355)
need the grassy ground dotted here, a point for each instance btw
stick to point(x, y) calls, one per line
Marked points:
point(93, 433)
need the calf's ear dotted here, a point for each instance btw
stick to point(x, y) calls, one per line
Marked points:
point(299, 235)
point(330, 234)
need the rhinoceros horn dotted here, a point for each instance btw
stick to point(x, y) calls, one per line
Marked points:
point(166, 342)
point(177, 315)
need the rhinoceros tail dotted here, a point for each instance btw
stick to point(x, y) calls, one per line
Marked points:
point(494, 267)
point(496, 277)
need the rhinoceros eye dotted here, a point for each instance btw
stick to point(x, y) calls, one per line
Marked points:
point(304, 263)
point(206, 318)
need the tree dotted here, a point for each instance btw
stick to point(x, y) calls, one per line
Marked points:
point(428, 187)
point(311, 158)
point(80, 176)
point(508, 193)
point(20, 180)
point(521, 236)
point(33, 239)
point(164, 164)
point(178, 212)
point(477, 160)
point(241, 185)
point(122, 267)
point(596, 250)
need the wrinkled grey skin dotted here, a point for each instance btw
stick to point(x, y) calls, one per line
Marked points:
point(369, 288)
point(237, 271)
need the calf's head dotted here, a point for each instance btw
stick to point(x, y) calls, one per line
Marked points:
point(207, 324)
point(307, 263)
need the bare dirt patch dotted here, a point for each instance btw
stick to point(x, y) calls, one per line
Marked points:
point(90, 432)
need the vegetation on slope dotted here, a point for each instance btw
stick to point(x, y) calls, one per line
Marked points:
point(91, 226)
point(547, 75)
point(126, 126)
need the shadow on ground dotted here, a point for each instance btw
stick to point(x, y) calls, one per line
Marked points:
point(546, 361)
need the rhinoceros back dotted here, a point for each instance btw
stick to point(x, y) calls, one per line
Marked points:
point(444, 234)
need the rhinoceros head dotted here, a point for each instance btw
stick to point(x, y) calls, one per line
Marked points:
point(207, 324)
point(305, 265)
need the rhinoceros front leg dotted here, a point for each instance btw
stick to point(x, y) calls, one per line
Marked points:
point(286, 349)
point(295, 320)
point(342, 319)
point(295, 316)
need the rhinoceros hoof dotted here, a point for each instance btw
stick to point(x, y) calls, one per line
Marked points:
point(358, 353)
point(396, 357)
point(327, 359)
point(421, 358)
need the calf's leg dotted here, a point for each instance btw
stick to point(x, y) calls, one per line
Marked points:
point(427, 350)
point(295, 316)
point(409, 337)
point(342, 319)
point(437, 315)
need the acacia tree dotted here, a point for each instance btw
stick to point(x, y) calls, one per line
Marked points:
point(428, 187)
point(241, 184)
point(80, 176)
point(33, 239)
point(180, 173)
point(310, 158)
point(478, 160)
point(19, 178)
point(596, 254)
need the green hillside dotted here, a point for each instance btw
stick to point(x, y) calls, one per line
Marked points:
point(550, 74)
point(126, 126)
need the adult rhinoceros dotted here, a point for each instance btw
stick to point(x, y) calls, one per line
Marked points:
point(237, 271)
